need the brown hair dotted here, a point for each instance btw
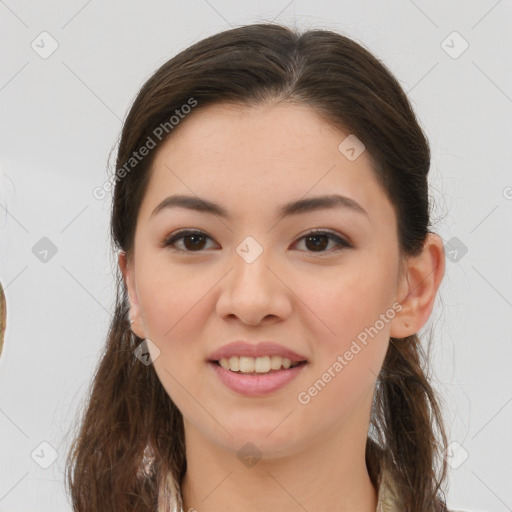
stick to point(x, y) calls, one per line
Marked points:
point(129, 453)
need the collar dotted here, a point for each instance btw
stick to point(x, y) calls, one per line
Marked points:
point(387, 500)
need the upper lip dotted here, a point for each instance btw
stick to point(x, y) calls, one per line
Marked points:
point(264, 348)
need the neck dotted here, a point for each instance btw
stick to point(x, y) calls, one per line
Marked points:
point(330, 474)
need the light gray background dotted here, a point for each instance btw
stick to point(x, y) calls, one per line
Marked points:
point(62, 114)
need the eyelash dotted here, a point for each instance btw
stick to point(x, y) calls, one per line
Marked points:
point(172, 239)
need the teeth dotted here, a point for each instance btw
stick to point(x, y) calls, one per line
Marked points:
point(256, 364)
point(234, 363)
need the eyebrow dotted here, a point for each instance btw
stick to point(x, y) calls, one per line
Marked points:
point(298, 207)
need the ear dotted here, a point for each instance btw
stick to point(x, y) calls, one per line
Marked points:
point(418, 287)
point(127, 270)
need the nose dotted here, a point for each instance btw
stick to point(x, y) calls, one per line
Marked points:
point(254, 292)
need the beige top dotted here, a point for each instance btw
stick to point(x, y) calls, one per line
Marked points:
point(387, 498)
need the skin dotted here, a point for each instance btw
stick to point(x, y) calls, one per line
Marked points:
point(251, 161)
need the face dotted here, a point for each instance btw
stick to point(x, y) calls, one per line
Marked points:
point(255, 275)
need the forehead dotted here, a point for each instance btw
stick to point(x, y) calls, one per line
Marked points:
point(268, 131)
point(256, 156)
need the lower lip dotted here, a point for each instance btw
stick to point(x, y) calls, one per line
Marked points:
point(256, 384)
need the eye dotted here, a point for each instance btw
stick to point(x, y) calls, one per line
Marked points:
point(194, 241)
point(318, 239)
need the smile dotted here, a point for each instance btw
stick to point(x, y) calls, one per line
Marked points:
point(264, 364)
point(256, 383)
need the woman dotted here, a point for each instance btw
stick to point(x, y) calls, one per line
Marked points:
point(271, 213)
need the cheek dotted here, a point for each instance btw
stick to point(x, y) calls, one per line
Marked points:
point(355, 311)
point(170, 303)
point(174, 307)
point(350, 353)
point(170, 299)
point(351, 299)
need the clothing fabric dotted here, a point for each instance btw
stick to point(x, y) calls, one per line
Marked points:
point(387, 495)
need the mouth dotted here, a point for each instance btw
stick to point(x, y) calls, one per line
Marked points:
point(256, 377)
point(257, 366)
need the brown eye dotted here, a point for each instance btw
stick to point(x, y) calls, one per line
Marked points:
point(319, 240)
point(193, 241)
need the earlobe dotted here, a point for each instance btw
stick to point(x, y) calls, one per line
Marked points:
point(418, 288)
